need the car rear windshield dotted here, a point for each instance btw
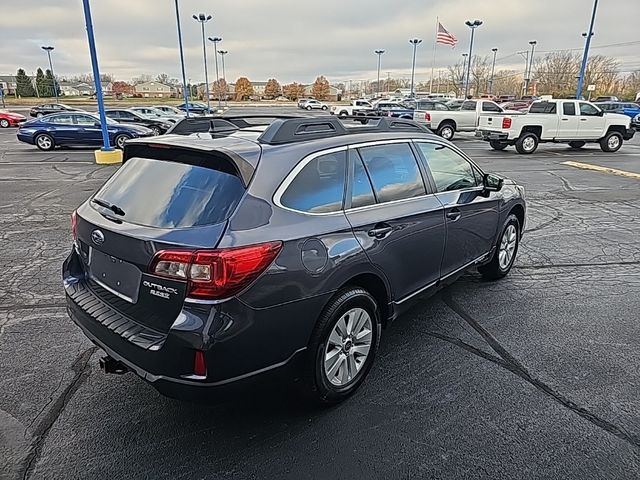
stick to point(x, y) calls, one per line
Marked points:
point(165, 194)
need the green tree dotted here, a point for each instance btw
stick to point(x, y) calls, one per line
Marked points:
point(244, 89)
point(51, 83)
point(272, 89)
point(24, 87)
point(320, 89)
point(41, 83)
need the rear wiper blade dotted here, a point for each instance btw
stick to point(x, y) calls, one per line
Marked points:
point(114, 208)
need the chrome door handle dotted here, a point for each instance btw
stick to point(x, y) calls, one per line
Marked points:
point(380, 232)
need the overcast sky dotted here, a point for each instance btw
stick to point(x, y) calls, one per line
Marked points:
point(296, 40)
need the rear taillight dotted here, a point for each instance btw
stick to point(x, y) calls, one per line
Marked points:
point(74, 225)
point(215, 274)
point(427, 116)
point(506, 122)
point(199, 365)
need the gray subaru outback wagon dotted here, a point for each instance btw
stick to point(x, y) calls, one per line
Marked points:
point(257, 251)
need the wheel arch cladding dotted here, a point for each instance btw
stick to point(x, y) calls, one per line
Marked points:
point(373, 284)
point(518, 211)
point(532, 129)
point(616, 128)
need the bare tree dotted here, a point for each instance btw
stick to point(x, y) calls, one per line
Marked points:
point(507, 82)
point(455, 77)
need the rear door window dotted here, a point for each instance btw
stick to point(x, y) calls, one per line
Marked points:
point(568, 108)
point(319, 186)
point(393, 171)
point(542, 107)
point(468, 105)
point(62, 120)
point(164, 194)
point(490, 107)
point(361, 189)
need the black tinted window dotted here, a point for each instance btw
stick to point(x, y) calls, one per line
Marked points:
point(126, 115)
point(450, 171)
point(490, 107)
point(542, 107)
point(361, 190)
point(163, 194)
point(393, 171)
point(319, 186)
point(569, 108)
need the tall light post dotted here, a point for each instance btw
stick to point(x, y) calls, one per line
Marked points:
point(184, 75)
point(224, 75)
point(215, 41)
point(493, 69)
point(585, 55)
point(415, 42)
point(472, 25)
point(379, 53)
point(528, 70)
point(202, 19)
point(524, 55)
point(464, 69)
point(53, 76)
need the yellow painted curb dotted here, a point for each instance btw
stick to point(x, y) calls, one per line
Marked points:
point(598, 168)
point(108, 158)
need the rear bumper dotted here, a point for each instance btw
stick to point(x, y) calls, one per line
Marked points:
point(243, 347)
point(25, 138)
point(492, 135)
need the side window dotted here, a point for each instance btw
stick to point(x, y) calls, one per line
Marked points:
point(62, 120)
point(440, 106)
point(84, 120)
point(490, 107)
point(122, 115)
point(450, 171)
point(588, 110)
point(361, 189)
point(113, 114)
point(319, 186)
point(569, 108)
point(468, 105)
point(393, 171)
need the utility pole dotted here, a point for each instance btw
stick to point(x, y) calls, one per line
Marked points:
point(184, 76)
point(585, 55)
point(379, 53)
point(472, 25)
point(528, 71)
point(415, 42)
point(215, 41)
point(53, 75)
point(202, 18)
point(493, 69)
point(224, 75)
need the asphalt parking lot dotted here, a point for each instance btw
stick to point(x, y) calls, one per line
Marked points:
point(535, 376)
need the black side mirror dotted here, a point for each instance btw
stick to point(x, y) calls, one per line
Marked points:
point(492, 183)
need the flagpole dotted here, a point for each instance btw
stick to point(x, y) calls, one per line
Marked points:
point(433, 61)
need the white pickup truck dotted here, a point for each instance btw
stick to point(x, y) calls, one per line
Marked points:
point(445, 122)
point(575, 122)
point(344, 110)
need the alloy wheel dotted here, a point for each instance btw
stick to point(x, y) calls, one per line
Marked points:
point(528, 143)
point(44, 142)
point(4, 123)
point(613, 142)
point(348, 347)
point(447, 133)
point(507, 246)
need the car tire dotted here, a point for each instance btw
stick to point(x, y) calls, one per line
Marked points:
point(577, 144)
point(496, 145)
point(446, 131)
point(527, 143)
point(343, 113)
point(611, 142)
point(308, 107)
point(44, 142)
point(331, 357)
point(505, 252)
point(324, 107)
point(4, 123)
point(156, 131)
point(120, 140)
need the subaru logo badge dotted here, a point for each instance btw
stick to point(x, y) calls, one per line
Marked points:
point(97, 237)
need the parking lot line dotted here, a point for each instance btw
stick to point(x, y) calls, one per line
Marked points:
point(598, 168)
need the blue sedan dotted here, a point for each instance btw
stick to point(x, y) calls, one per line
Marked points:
point(76, 129)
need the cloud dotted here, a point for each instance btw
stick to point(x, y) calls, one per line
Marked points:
point(293, 40)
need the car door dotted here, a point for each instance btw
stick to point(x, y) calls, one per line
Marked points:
point(569, 122)
point(89, 133)
point(591, 125)
point(471, 213)
point(62, 129)
point(394, 215)
point(467, 120)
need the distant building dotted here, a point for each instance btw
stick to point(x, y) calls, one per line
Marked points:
point(335, 94)
point(85, 88)
point(8, 84)
point(69, 89)
point(107, 88)
point(153, 89)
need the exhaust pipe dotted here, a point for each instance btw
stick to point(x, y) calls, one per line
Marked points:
point(111, 365)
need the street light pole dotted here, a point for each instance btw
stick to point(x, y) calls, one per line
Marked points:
point(464, 69)
point(585, 55)
point(202, 18)
point(472, 25)
point(224, 75)
point(379, 53)
point(493, 69)
point(53, 76)
point(528, 71)
point(215, 41)
point(415, 42)
point(184, 75)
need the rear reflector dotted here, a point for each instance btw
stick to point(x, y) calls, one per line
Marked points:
point(199, 365)
point(215, 274)
point(506, 122)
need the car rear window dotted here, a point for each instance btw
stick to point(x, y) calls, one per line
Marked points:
point(165, 194)
point(542, 107)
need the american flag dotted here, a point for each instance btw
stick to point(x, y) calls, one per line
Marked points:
point(445, 37)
